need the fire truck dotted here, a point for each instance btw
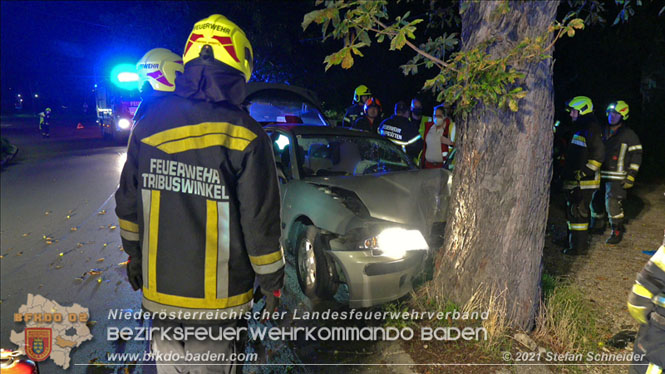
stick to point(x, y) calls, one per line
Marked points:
point(116, 100)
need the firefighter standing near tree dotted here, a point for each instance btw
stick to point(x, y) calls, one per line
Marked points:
point(623, 156)
point(198, 201)
point(581, 174)
point(402, 132)
point(356, 110)
point(45, 123)
point(372, 118)
point(157, 71)
point(646, 304)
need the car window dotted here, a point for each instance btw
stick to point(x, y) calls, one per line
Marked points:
point(281, 145)
point(349, 155)
point(284, 108)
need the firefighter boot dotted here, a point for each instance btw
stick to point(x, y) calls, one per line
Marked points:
point(578, 244)
point(597, 225)
point(617, 234)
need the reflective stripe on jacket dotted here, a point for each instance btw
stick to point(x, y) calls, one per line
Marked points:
point(623, 155)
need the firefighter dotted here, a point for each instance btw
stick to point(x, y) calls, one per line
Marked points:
point(584, 156)
point(360, 96)
point(157, 71)
point(371, 118)
point(417, 116)
point(402, 132)
point(646, 303)
point(623, 156)
point(45, 123)
point(198, 201)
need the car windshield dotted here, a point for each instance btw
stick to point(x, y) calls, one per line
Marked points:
point(349, 155)
point(284, 107)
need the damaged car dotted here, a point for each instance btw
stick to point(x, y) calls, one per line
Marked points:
point(355, 211)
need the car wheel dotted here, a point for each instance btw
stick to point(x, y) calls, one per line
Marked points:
point(316, 272)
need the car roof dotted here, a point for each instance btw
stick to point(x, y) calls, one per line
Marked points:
point(322, 130)
point(254, 89)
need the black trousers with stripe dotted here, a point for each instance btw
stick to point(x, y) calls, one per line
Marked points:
point(609, 198)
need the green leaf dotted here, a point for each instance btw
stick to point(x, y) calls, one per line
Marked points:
point(311, 17)
point(364, 38)
point(577, 23)
point(398, 41)
point(347, 61)
point(380, 38)
point(512, 104)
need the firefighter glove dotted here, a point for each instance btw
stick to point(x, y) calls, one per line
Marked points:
point(581, 174)
point(272, 300)
point(626, 184)
point(135, 272)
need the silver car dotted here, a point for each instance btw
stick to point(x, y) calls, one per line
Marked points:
point(355, 210)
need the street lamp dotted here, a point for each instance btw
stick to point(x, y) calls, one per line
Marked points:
point(36, 96)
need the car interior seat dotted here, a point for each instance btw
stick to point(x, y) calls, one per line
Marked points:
point(346, 156)
point(318, 157)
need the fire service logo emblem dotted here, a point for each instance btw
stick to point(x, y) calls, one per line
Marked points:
point(38, 343)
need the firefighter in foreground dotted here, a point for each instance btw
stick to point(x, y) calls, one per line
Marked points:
point(647, 305)
point(356, 110)
point(623, 156)
point(198, 200)
point(45, 123)
point(584, 156)
point(157, 70)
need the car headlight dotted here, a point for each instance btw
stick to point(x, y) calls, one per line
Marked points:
point(395, 242)
point(124, 123)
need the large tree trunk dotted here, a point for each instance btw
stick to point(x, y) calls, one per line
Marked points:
point(497, 218)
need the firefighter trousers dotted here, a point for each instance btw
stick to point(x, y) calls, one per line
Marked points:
point(609, 198)
point(650, 342)
point(45, 128)
point(577, 215)
point(205, 354)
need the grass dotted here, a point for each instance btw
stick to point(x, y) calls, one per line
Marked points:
point(567, 321)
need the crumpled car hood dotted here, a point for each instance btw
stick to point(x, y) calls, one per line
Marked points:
point(415, 198)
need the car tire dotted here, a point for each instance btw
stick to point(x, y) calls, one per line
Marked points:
point(316, 272)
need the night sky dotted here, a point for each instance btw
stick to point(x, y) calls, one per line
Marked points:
point(58, 50)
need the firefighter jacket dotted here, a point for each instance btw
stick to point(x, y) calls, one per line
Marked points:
point(402, 132)
point(147, 97)
point(646, 303)
point(352, 114)
point(366, 124)
point(584, 155)
point(198, 200)
point(623, 155)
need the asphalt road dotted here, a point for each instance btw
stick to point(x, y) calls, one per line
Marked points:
point(59, 239)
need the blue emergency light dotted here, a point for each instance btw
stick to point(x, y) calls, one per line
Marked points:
point(124, 76)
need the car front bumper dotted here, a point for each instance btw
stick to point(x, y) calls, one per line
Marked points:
point(374, 280)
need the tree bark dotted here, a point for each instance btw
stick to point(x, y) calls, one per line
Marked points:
point(498, 214)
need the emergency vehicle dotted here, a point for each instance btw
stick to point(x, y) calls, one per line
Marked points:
point(116, 100)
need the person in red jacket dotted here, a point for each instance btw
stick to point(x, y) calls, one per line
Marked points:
point(439, 132)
